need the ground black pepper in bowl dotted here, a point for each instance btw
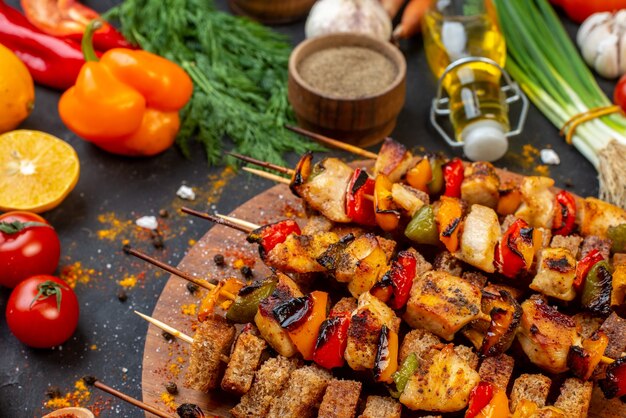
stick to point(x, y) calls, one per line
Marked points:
point(348, 72)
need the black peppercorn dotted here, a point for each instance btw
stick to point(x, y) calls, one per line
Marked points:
point(90, 380)
point(192, 287)
point(53, 392)
point(122, 296)
point(168, 337)
point(219, 260)
point(164, 213)
point(171, 388)
point(246, 272)
point(189, 410)
point(157, 239)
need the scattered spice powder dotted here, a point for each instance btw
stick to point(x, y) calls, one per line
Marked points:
point(189, 309)
point(128, 282)
point(79, 397)
point(116, 226)
point(528, 160)
point(168, 400)
point(349, 72)
point(76, 273)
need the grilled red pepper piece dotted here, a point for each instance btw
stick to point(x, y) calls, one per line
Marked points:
point(69, 19)
point(564, 214)
point(453, 174)
point(583, 267)
point(516, 249)
point(51, 61)
point(402, 275)
point(614, 385)
point(480, 397)
point(269, 236)
point(332, 340)
point(358, 208)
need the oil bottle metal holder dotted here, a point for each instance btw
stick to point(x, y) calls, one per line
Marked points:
point(511, 90)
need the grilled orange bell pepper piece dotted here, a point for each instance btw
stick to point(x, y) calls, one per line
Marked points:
point(387, 216)
point(386, 356)
point(127, 103)
point(304, 334)
point(449, 222)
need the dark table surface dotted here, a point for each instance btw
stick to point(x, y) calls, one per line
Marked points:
point(113, 192)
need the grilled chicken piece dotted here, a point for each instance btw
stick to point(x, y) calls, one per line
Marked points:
point(481, 185)
point(443, 304)
point(408, 198)
point(364, 331)
point(537, 206)
point(481, 233)
point(316, 224)
point(269, 328)
point(597, 216)
point(393, 160)
point(556, 274)
point(325, 189)
point(546, 335)
point(361, 264)
point(299, 253)
point(443, 385)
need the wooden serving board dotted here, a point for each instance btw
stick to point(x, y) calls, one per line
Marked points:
point(162, 359)
point(165, 361)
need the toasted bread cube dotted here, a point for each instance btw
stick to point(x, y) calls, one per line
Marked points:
point(442, 304)
point(497, 370)
point(615, 328)
point(481, 233)
point(467, 355)
point(340, 400)
point(569, 242)
point(481, 185)
point(601, 407)
point(420, 342)
point(269, 382)
point(575, 398)
point(302, 393)
point(531, 387)
point(212, 340)
point(556, 274)
point(244, 361)
point(381, 407)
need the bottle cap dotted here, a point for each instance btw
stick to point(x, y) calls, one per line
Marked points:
point(484, 140)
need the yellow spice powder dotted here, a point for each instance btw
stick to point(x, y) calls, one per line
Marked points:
point(75, 273)
point(79, 397)
point(168, 400)
point(189, 309)
point(128, 282)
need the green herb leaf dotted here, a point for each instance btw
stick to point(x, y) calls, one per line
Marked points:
point(47, 289)
point(402, 376)
point(18, 226)
point(239, 69)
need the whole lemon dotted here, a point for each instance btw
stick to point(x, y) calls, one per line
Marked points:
point(17, 91)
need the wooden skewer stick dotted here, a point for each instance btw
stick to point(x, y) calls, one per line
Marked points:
point(173, 270)
point(266, 175)
point(130, 400)
point(173, 331)
point(215, 218)
point(333, 142)
point(265, 164)
point(244, 224)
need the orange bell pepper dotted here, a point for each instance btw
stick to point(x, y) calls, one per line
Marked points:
point(304, 334)
point(127, 103)
point(387, 216)
point(419, 176)
point(449, 218)
point(386, 356)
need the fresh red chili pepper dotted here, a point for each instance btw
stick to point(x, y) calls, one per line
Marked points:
point(564, 214)
point(480, 397)
point(69, 19)
point(453, 174)
point(584, 265)
point(51, 61)
point(358, 208)
point(402, 275)
point(269, 236)
point(332, 341)
point(614, 385)
point(516, 249)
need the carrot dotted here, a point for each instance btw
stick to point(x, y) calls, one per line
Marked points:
point(411, 19)
point(392, 6)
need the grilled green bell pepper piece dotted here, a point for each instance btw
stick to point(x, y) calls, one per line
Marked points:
point(596, 296)
point(423, 229)
point(245, 306)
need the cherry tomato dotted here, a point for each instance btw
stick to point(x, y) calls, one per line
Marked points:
point(42, 311)
point(619, 96)
point(28, 246)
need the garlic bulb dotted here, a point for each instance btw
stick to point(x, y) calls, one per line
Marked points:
point(602, 41)
point(361, 16)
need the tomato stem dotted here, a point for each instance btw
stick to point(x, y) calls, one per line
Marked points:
point(17, 226)
point(47, 289)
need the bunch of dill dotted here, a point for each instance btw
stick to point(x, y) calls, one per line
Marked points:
point(239, 70)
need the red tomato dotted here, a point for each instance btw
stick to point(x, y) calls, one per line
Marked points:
point(32, 250)
point(579, 10)
point(619, 97)
point(42, 311)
